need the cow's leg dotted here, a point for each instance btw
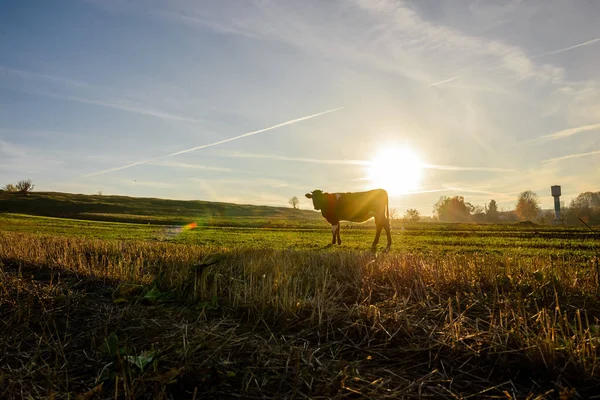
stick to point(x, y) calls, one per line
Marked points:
point(386, 225)
point(378, 225)
point(339, 240)
point(334, 231)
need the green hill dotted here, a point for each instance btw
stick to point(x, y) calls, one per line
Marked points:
point(150, 210)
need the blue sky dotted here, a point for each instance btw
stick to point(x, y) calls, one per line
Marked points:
point(495, 97)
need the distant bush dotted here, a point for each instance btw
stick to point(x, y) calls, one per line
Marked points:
point(9, 188)
point(21, 187)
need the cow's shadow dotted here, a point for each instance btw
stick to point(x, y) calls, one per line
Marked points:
point(372, 250)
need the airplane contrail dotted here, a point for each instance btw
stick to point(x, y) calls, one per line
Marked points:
point(290, 122)
point(365, 162)
point(570, 132)
point(299, 159)
point(293, 121)
point(459, 168)
point(566, 48)
point(571, 156)
point(549, 53)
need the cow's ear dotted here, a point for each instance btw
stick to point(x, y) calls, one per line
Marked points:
point(308, 195)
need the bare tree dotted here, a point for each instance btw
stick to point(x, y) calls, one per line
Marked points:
point(393, 213)
point(24, 186)
point(294, 202)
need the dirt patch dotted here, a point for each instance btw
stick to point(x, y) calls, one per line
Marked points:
point(526, 224)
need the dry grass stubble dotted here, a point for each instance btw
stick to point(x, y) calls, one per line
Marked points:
point(291, 323)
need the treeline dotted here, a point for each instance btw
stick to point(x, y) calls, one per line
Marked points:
point(455, 209)
point(585, 206)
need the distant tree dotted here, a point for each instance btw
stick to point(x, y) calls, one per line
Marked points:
point(478, 210)
point(478, 214)
point(453, 209)
point(294, 202)
point(585, 206)
point(492, 212)
point(10, 188)
point(587, 199)
point(99, 193)
point(393, 213)
point(412, 215)
point(528, 206)
point(547, 217)
point(24, 186)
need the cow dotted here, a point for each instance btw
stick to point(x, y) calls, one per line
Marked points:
point(354, 207)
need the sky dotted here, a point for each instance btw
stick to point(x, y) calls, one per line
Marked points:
point(257, 101)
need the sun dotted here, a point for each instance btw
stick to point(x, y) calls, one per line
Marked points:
point(397, 170)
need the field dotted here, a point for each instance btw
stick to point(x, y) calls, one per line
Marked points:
point(253, 304)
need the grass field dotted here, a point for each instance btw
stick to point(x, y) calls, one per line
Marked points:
point(98, 309)
point(423, 238)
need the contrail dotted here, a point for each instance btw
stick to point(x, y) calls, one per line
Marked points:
point(363, 162)
point(290, 122)
point(570, 132)
point(299, 159)
point(571, 156)
point(549, 53)
point(459, 168)
point(566, 48)
point(293, 121)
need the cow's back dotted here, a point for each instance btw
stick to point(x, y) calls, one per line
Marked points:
point(360, 206)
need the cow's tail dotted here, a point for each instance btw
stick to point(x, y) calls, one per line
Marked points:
point(387, 210)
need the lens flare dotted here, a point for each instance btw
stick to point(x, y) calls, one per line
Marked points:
point(190, 226)
point(173, 231)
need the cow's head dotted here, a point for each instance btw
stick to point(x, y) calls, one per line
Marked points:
point(319, 200)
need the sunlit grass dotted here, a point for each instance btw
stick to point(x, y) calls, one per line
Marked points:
point(329, 323)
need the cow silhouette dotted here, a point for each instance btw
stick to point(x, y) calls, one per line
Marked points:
point(354, 207)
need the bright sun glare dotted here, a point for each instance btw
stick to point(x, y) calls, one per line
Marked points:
point(397, 170)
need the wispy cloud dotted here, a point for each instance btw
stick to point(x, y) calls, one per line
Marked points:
point(17, 159)
point(474, 190)
point(190, 166)
point(512, 61)
point(570, 132)
point(298, 159)
point(94, 95)
point(567, 157)
point(386, 35)
point(361, 162)
point(149, 184)
point(290, 122)
point(459, 168)
point(28, 75)
point(124, 105)
point(426, 191)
